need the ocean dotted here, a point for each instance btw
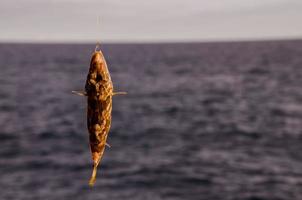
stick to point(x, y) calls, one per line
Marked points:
point(201, 121)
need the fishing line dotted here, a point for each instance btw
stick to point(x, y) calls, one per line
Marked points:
point(98, 28)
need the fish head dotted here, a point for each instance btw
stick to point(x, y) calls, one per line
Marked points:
point(98, 63)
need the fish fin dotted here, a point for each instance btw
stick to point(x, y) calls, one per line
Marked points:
point(81, 93)
point(93, 176)
point(118, 93)
point(108, 145)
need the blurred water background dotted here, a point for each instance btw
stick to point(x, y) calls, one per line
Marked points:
point(208, 121)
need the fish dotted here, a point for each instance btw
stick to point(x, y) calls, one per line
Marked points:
point(99, 92)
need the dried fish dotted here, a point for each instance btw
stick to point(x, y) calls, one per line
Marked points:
point(99, 92)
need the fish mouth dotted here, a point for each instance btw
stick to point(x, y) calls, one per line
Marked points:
point(97, 47)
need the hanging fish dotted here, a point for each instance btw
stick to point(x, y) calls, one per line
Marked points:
point(99, 92)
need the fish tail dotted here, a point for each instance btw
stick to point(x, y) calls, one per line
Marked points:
point(93, 175)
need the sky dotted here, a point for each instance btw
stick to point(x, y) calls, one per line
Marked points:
point(149, 21)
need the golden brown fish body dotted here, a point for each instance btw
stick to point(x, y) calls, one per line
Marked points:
point(99, 91)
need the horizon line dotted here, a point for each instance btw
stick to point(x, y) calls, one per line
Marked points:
point(231, 40)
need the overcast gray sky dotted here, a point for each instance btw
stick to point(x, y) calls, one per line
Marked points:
point(148, 20)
